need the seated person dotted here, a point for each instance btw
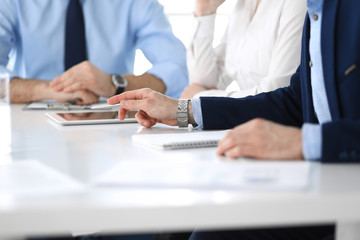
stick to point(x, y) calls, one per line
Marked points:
point(316, 118)
point(259, 51)
point(87, 48)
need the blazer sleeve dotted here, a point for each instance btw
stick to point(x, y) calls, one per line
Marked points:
point(282, 106)
point(341, 141)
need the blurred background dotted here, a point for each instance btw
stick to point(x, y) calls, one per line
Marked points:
point(180, 14)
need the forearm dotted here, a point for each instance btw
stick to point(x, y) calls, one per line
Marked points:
point(202, 59)
point(144, 81)
point(29, 90)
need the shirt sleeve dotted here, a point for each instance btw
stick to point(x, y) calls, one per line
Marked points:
point(312, 141)
point(165, 52)
point(7, 33)
point(205, 62)
point(196, 107)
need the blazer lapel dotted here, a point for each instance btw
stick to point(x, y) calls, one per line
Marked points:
point(307, 99)
point(328, 54)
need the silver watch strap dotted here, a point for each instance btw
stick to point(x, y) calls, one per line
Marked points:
point(182, 113)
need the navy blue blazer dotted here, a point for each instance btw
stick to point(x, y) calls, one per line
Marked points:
point(293, 105)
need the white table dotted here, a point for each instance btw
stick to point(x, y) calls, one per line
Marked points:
point(85, 152)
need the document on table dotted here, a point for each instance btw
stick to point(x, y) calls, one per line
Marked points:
point(241, 175)
point(30, 177)
point(196, 139)
point(56, 106)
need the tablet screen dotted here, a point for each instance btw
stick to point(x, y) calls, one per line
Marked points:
point(93, 115)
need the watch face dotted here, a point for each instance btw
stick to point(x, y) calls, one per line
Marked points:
point(119, 81)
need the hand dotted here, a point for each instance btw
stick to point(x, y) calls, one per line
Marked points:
point(79, 97)
point(207, 7)
point(84, 76)
point(262, 139)
point(192, 90)
point(153, 107)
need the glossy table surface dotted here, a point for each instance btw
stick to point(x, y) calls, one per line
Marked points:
point(85, 152)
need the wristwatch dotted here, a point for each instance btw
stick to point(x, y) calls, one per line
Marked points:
point(119, 82)
point(182, 113)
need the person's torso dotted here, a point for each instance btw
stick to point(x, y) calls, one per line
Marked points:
point(250, 40)
point(340, 48)
point(110, 29)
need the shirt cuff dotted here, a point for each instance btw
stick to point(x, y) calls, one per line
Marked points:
point(174, 77)
point(312, 141)
point(206, 26)
point(5, 70)
point(196, 108)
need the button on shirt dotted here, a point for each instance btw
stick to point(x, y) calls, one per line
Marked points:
point(32, 38)
point(312, 138)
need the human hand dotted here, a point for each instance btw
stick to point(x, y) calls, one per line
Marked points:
point(84, 76)
point(153, 106)
point(207, 7)
point(192, 90)
point(79, 97)
point(262, 139)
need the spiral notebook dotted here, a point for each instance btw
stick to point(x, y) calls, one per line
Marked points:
point(172, 141)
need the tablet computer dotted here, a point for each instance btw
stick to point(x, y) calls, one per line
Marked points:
point(86, 118)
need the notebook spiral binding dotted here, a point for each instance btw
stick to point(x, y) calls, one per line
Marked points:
point(200, 144)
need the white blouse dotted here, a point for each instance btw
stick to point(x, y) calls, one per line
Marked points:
point(260, 49)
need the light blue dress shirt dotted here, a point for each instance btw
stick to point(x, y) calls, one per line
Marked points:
point(312, 138)
point(32, 38)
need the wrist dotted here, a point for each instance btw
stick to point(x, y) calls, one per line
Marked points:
point(112, 89)
point(204, 12)
point(205, 9)
point(43, 90)
point(118, 83)
point(191, 114)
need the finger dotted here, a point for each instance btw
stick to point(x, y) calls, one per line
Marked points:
point(85, 97)
point(225, 144)
point(60, 81)
point(151, 121)
point(238, 151)
point(229, 140)
point(132, 104)
point(122, 113)
point(135, 94)
point(74, 87)
point(67, 81)
point(80, 101)
point(144, 119)
point(54, 82)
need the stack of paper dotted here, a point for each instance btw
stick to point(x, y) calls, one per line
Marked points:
point(212, 175)
point(34, 178)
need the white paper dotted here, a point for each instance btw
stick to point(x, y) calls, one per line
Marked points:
point(105, 106)
point(34, 178)
point(180, 140)
point(37, 105)
point(210, 175)
point(53, 105)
